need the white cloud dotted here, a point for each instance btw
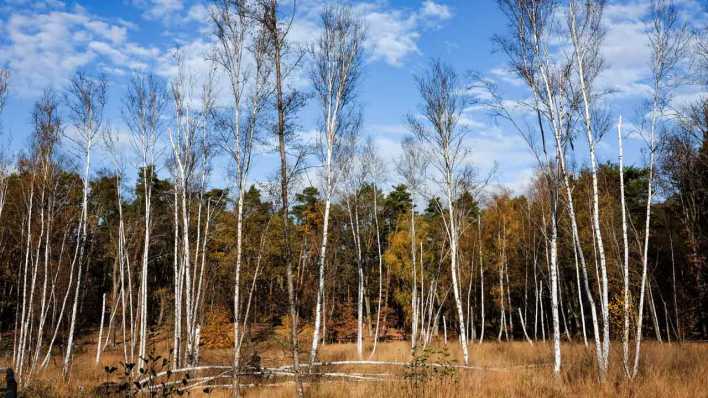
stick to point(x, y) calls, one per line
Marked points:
point(492, 145)
point(507, 76)
point(44, 48)
point(198, 13)
point(435, 10)
point(162, 9)
point(467, 121)
point(36, 4)
point(626, 47)
point(116, 34)
point(631, 11)
point(493, 149)
point(393, 34)
point(685, 98)
point(388, 129)
point(626, 52)
point(197, 67)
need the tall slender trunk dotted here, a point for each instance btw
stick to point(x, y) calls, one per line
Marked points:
point(536, 295)
point(360, 294)
point(645, 251)
point(673, 285)
point(354, 224)
point(502, 307)
point(554, 291)
point(414, 292)
point(280, 105)
point(380, 256)
point(580, 296)
point(147, 189)
point(83, 221)
point(186, 266)
point(481, 279)
point(237, 289)
point(543, 313)
point(523, 326)
point(19, 349)
point(323, 253)
point(654, 316)
point(595, 201)
point(453, 234)
point(470, 314)
point(510, 314)
point(625, 259)
point(100, 330)
point(177, 338)
point(44, 306)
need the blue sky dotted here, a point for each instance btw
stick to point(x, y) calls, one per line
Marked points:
point(45, 42)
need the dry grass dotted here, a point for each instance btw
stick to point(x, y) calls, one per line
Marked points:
point(668, 370)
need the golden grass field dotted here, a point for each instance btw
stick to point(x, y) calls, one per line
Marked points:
point(673, 370)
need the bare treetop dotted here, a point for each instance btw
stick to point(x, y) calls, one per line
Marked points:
point(142, 110)
point(86, 98)
point(441, 125)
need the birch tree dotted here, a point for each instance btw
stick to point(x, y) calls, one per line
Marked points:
point(586, 33)
point(375, 173)
point(241, 52)
point(625, 247)
point(353, 174)
point(142, 110)
point(442, 133)
point(284, 60)
point(122, 255)
point(411, 166)
point(554, 103)
point(337, 58)
point(668, 40)
point(86, 99)
point(190, 143)
point(40, 201)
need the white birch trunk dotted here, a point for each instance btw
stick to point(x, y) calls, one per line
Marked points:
point(414, 290)
point(454, 236)
point(523, 326)
point(147, 188)
point(625, 258)
point(323, 249)
point(380, 256)
point(481, 279)
point(81, 244)
point(645, 251)
point(603, 365)
point(100, 330)
point(237, 289)
point(554, 293)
